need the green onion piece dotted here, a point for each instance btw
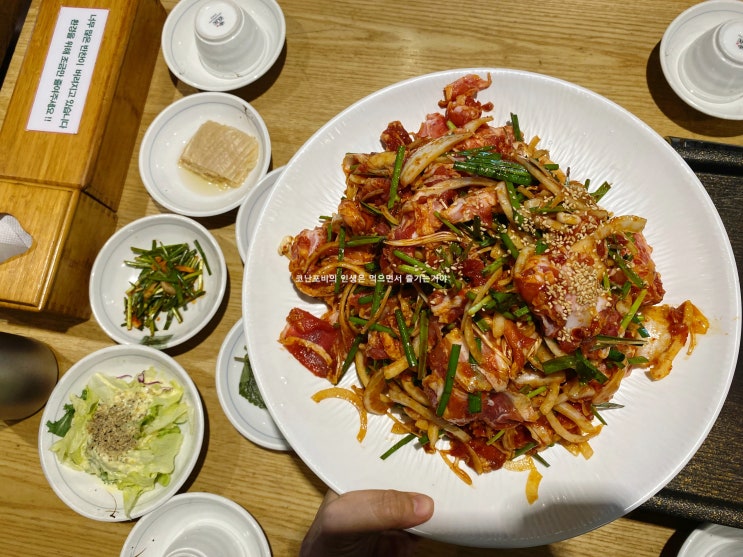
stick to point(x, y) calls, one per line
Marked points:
point(510, 246)
point(494, 266)
point(351, 354)
point(604, 406)
point(422, 344)
point(513, 197)
point(523, 450)
point(607, 340)
point(495, 168)
point(633, 310)
point(203, 256)
point(356, 320)
point(341, 255)
point(363, 240)
point(537, 391)
point(495, 437)
point(399, 158)
point(405, 339)
point(414, 262)
point(401, 443)
point(448, 224)
point(551, 166)
point(538, 457)
point(637, 360)
point(516, 128)
point(451, 371)
point(540, 247)
point(601, 191)
point(633, 277)
point(474, 403)
point(587, 371)
point(377, 296)
point(479, 305)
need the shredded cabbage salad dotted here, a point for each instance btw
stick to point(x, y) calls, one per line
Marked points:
point(124, 430)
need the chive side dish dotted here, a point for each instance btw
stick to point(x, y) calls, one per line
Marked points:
point(171, 277)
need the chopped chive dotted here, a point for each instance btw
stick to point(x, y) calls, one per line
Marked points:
point(601, 191)
point(523, 450)
point(351, 354)
point(451, 371)
point(474, 403)
point(414, 262)
point(495, 437)
point(448, 224)
point(537, 391)
point(633, 310)
point(401, 443)
point(399, 158)
point(405, 339)
point(341, 255)
point(516, 128)
point(513, 198)
point(494, 266)
point(510, 246)
point(422, 344)
point(363, 240)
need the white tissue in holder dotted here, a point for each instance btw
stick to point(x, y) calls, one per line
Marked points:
point(14, 240)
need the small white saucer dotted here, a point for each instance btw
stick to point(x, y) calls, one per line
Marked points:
point(713, 540)
point(197, 524)
point(255, 424)
point(174, 187)
point(680, 34)
point(250, 210)
point(181, 56)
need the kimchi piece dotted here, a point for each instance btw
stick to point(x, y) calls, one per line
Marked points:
point(483, 296)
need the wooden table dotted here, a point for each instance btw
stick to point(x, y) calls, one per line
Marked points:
point(338, 51)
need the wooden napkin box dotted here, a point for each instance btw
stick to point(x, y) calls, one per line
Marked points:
point(67, 141)
point(111, 50)
point(68, 228)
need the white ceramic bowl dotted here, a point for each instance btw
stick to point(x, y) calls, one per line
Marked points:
point(197, 524)
point(85, 493)
point(111, 277)
point(182, 57)
point(713, 540)
point(253, 423)
point(175, 188)
point(250, 210)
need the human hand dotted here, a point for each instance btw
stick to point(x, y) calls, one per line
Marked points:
point(366, 523)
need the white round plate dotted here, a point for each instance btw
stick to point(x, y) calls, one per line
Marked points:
point(688, 26)
point(713, 540)
point(181, 56)
point(85, 493)
point(193, 524)
point(179, 190)
point(111, 277)
point(646, 443)
point(247, 214)
point(252, 422)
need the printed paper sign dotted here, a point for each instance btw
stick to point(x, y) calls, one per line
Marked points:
point(68, 70)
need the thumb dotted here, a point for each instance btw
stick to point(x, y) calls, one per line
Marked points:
point(376, 511)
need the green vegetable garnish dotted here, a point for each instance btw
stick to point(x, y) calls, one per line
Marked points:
point(247, 387)
point(62, 425)
point(170, 278)
point(451, 371)
point(490, 165)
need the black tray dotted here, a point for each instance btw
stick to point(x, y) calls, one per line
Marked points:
point(710, 487)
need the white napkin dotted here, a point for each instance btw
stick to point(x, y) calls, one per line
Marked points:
point(13, 239)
